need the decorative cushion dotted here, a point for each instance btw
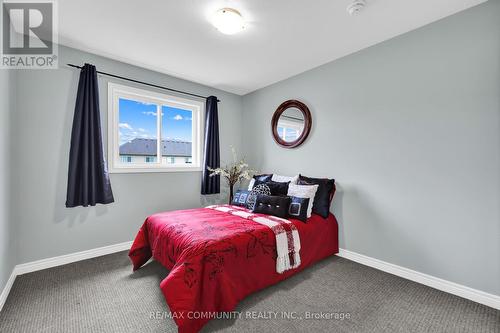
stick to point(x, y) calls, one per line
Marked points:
point(272, 205)
point(262, 178)
point(284, 179)
point(326, 189)
point(257, 189)
point(276, 188)
point(240, 198)
point(298, 208)
point(304, 191)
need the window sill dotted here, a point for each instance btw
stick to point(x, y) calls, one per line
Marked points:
point(154, 170)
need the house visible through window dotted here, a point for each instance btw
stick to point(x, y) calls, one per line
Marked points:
point(126, 159)
point(153, 132)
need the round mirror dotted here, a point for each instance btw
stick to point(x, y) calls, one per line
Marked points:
point(291, 124)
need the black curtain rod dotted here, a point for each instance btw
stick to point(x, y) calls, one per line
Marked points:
point(144, 83)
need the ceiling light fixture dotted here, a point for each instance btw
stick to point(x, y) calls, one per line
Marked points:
point(228, 21)
point(355, 7)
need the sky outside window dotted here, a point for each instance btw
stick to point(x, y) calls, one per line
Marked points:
point(136, 120)
point(176, 124)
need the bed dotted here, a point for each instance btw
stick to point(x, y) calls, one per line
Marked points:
point(217, 258)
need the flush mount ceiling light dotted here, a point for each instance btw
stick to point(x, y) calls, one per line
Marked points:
point(228, 21)
point(355, 7)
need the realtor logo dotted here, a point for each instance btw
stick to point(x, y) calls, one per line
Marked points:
point(28, 35)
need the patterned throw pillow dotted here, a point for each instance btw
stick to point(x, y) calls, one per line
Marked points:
point(240, 198)
point(276, 188)
point(304, 191)
point(298, 208)
point(257, 189)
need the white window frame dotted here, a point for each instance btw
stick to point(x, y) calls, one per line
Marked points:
point(117, 91)
point(291, 124)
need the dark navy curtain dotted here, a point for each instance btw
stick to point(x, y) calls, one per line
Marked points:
point(211, 151)
point(88, 180)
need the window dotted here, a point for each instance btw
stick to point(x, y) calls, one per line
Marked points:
point(289, 129)
point(152, 132)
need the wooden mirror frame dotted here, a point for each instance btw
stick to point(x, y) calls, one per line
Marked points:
point(307, 123)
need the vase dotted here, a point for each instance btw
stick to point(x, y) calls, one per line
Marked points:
point(230, 194)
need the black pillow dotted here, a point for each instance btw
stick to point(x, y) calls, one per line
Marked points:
point(326, 188)
point(272, 205)
point(262, 178)
point(257, 189)
point(240, 198)
point(277, 188)
point(298, 208)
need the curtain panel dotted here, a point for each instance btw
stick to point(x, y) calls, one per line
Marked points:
point(88, 179)
point(211, 151)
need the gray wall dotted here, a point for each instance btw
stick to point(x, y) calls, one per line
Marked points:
point(7, 235)
point(410, 130)
point(42, 129)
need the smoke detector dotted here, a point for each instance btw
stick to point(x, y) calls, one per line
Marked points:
point(355, 7)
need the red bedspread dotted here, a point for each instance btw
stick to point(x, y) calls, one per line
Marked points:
point(216, 259)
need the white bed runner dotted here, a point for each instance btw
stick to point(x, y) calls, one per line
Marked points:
point(287, 236)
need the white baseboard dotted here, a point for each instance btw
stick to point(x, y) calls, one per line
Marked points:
point(69, 258)
point(428, 280)
point(58, 261)
point(6, 289)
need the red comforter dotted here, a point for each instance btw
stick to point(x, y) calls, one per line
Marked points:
point(216, 259)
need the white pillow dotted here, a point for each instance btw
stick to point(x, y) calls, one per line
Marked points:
point(284, 179)
point(303, 191)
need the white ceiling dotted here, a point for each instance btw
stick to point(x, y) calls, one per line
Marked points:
point(283, 37)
